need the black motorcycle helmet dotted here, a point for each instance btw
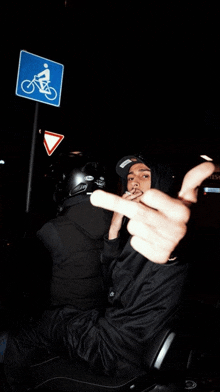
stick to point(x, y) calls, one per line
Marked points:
point(76, 175)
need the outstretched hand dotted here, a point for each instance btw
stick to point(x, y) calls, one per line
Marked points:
point(158, 222)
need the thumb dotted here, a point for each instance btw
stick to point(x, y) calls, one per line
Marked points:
point(193, 179)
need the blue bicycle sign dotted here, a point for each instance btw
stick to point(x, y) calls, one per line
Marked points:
point(39, 79)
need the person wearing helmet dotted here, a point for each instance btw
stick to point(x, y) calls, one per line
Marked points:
point(143, 295)
point(74, 239)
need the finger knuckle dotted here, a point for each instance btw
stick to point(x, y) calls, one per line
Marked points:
point(130, 226)
point(179, 233)
point(150, 195)
point(182, 213)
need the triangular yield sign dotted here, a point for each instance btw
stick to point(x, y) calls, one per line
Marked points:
point(52, 141)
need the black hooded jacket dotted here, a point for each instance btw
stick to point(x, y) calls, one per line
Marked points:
point(75, 240)
point(142, 298)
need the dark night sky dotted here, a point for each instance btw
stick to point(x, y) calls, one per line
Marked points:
point(136, 71)
point(137, 74)
point(140, 74)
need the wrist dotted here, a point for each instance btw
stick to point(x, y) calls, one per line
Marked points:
point(115, 227)
point(112, 234)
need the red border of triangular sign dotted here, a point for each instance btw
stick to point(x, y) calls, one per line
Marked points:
point(50, 151)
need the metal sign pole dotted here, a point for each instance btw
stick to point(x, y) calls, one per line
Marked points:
point(37, 88)
point(32, 155)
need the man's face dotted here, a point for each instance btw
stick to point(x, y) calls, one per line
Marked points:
point(138, 180)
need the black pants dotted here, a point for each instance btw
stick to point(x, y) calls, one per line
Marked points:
point(30, 344)
point(57, 332)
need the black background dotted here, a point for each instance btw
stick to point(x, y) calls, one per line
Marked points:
point(136, 75)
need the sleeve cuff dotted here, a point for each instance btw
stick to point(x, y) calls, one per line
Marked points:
point(111, 249)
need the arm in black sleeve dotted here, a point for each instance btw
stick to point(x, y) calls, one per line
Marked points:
point(142, 303)
point(111, 250)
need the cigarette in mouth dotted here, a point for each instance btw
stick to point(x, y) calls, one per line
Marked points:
point(128, 193)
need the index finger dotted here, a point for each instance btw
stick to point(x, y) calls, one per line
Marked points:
point(111, 202)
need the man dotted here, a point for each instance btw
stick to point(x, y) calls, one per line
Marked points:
point(145, 285)
point(137, 176)
point(156, 209)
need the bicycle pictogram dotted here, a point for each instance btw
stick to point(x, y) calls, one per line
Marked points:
point(41, 81)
